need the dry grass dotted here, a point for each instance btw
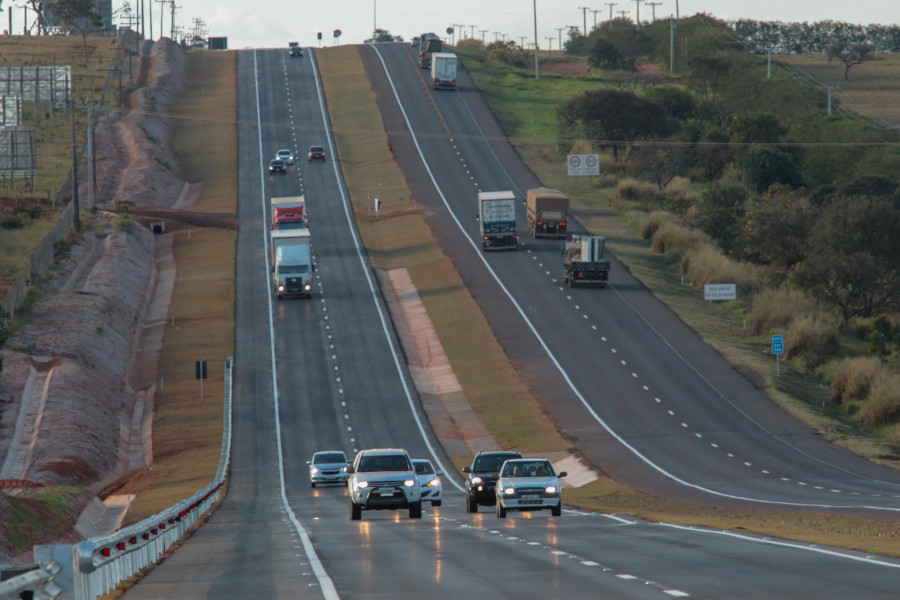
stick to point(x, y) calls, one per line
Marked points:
point(187, 432)
point(871, 89)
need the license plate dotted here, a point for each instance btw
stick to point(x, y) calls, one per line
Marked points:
point(385, 491)
point(530, 497)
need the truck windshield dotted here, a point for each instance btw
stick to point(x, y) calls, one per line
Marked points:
point(291, 225)
point(288, 269)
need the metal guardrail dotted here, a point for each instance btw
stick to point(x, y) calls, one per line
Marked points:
point(94, 567)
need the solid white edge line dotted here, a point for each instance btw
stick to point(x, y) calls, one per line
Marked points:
point(784, 544)
point(553, 358)
point(325, 582)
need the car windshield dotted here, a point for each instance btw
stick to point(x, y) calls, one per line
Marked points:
point(276, 163)
point(284, 153)
point(383, 463)
point(423, 467)
point(490, 463)
point(537, 468)
point(329, 457)
point(317, 149)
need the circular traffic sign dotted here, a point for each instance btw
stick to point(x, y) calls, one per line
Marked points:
point(449, 31)
point(590, 161)
point(337, 33)
point(574, 160)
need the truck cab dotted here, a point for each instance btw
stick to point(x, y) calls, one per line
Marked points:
point(292, 265)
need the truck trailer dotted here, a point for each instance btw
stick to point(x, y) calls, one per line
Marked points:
point(289, 212)
point(443, 70)
point(429, 43)
point(497, 218)
point(584, 264)
point(548, 212)
point(292, 265)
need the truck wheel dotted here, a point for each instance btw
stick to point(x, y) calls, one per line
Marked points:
point(415, 510)
point(355, 511)
point(471, 505)
point(556, 510)
point(501, 512)
point(435, 502)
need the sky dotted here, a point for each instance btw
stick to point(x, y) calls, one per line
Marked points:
point(274, 24)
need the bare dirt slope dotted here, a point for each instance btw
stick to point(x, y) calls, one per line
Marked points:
point(66, 385)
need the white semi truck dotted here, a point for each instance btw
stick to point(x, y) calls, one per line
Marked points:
point(497, 217)
point(292, 264)
point(443, 70)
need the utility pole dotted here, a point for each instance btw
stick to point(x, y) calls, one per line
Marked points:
point(537, 70)
point(560, 30)
point(654, 5)
point(584, 10)
point(595, 18)
point(150, 18)
point(483, 31)
point(638, 20)
point(610, 5)
point(162, 13)
point(496, 36)
point(522, 41)
point(472, 31)
point(76, 216)
point(549, 45)
point(622, 13)
point(172, 31)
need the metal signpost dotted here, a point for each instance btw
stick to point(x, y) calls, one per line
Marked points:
point(777, 350)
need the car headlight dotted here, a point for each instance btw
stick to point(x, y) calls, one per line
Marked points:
point(315, 470)
point(477, 481)
point(281, 287)
point(551, 489)
point(362, 484)
point(509, 491)
point(344, 469)
point(409, 482)
point(434, 482)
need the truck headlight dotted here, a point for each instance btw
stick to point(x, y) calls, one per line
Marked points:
point(280, 287)
point(362, 484)
point(409, 482)
point(509, 491)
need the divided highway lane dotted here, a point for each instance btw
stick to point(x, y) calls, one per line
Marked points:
point(693, 428)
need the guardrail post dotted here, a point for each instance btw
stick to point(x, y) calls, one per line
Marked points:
point(64, 556)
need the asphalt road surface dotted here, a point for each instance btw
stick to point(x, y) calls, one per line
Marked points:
point(327, 373)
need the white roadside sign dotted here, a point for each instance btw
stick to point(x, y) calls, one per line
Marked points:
point(583, 164)
point(720, 291)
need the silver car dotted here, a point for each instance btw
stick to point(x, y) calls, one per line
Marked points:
point(286, 155)
point(429, 481)
point(328, 466)
point(528, 484)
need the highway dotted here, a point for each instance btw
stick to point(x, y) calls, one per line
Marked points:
point(327, 373)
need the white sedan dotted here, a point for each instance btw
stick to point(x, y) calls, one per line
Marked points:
point(528, 484)
point(429, 481)
point(286, 155)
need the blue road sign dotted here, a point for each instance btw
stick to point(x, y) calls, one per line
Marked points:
point(777, 344)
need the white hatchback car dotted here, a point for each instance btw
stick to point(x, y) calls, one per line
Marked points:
point(429, 481)
point(328, 466)
point(528, 484)
point(286, 155)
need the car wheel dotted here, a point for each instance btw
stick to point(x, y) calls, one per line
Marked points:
point(415, 510)
point(355, 511)
point(312, 484)
point(435, 502)
point(501, 512)
point(471, 505)
point(556, 510)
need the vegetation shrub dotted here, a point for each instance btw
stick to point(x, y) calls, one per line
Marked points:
point(882, 407)
point(704, 264)
point(773, 309)
point(11, 221)
point(852, 379)
point(642, 193)
point(812, 339)
point(673, 238)
point(882, 335)
point(654, 221)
